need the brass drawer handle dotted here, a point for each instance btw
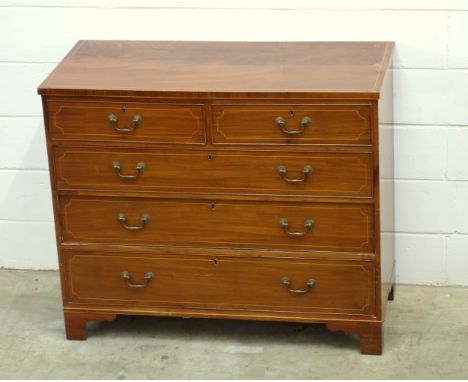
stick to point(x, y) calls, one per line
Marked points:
point(139, 169)
point(306, 171)
point(126, 276)
point(123, 220)
point(308, 225)
point(287, 283)
point(114, 121)
point(281, 123)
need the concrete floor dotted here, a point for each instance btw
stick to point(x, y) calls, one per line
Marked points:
point(426, 337)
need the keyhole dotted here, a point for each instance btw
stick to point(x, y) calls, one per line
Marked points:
point(210, 157)
point(213, 205)
point(215, 262)
point(124, 109)
point(291, 114)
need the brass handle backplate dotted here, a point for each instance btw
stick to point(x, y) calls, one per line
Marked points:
point(281, 123)
point(126, 276)
point(123, 220)
point(287, 283)
point(114, 121)
point(139, 169)
point(306, 171)
point(308, 225)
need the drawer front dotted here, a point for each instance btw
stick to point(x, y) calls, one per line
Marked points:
point(126, 122)
point(292, 124)
point(221, 283)
point(320, 226)
point(320, 174)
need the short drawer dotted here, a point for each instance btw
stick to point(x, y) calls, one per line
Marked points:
point(292, 124)
point(314, 174)
point(235, 224)
point(126, 122)
point(221, 283)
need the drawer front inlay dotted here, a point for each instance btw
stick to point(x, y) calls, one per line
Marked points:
point(127, 122)
point(334, 227)
point(275, 173)
point(292, 124)
point(221, 282)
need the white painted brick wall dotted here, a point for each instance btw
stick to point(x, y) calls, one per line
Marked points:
point(28, 245)
point(457, 259)
point(427, 251)
point(22, 144)
point(431, 106)
point(457, 52)
point(457, 154)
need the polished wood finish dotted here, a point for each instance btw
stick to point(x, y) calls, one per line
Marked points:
point(347, 228)
point(160, 123)
point(202, 118)
point(255, 124)
point(370, 334)
point(209, 171)
point(75, 322)
point(227, 283)
point(216, 69)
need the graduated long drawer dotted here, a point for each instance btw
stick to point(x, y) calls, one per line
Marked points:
point(251, 172)
point(319, 226)
point(220, 282)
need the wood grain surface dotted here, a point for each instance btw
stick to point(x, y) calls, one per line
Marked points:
point(160, 123)
point(207, 69)
point(222, 283)
point(215, 172)
point(218, 223)
point(205, 151)
point(255, 124)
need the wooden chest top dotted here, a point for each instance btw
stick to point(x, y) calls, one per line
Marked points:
point(216, 69)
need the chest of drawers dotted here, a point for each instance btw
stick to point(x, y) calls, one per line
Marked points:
point(223, 180)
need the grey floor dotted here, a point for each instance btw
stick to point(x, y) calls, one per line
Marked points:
point(426, 336)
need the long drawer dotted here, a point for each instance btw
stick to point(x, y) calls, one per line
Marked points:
point(220, 282)
point(292, 124)
point(259, 172)
point(126, 122)
point(313, 226)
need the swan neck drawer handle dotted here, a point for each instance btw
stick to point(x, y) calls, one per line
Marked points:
point(126, 276)
point(138, 168)
point(114, 121)
point(287, 283)
point(306, 171)
point(281, 123)
point(123, 220)
point(308, 225)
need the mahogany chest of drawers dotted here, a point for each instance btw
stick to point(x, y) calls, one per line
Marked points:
point(223, 180)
